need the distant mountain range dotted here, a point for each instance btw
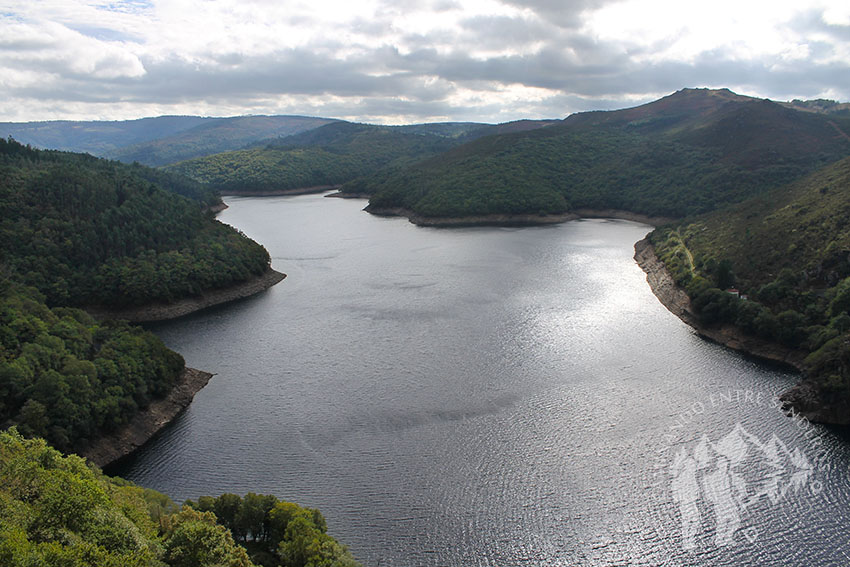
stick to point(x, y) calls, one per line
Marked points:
point(157, 141)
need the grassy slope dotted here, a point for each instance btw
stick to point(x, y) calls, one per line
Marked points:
point(803, 225)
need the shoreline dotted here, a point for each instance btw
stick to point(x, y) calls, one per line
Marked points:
point(526, 219)
point(677, 302)
point(148, 422)
point(165, 311)
point(283, 192)
point(802, 399)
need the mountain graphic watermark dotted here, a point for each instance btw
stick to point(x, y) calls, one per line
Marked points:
point(715, 482)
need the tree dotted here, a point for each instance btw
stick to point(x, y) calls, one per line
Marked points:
point(194, 539)
point(226, 509)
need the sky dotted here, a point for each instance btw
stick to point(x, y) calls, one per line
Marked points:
point(407, 61)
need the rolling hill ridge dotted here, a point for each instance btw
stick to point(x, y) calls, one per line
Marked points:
point(685, 154)
point(332, 154)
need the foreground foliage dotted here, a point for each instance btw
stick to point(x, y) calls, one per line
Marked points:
point(57, 510)
point(276, 532)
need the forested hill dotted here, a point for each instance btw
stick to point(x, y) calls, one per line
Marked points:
point(89, 231)
point(333, 154)
point(687, 153)
point(789, 252)
point(69, 379)
point(78, 231)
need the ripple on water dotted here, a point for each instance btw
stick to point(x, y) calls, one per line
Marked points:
point(483, 397)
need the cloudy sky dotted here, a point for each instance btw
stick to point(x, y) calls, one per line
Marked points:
point(403, 61)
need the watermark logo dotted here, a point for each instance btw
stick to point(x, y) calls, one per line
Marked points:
point(724, 482)
point(728, 476)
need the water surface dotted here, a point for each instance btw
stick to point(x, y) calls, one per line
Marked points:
point(492, 396)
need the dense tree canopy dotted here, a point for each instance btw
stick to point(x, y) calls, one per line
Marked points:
point(89, 231)
point(329, 155)
point(277, 532)
point(67, 378)
point(81, 231)
point(687, 154)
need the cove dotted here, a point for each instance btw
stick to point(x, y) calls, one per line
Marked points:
point(492, 396)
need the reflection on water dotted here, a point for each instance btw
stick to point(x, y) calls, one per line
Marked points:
point(492, 396)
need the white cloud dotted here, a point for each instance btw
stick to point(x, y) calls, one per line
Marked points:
point(685, 30)
point(43, 51)
point(439, 59)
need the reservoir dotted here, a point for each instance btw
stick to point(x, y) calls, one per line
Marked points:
point(492, 397)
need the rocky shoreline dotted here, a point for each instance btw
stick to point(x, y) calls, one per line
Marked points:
point(623, 215)
point(513, 219)
point(150, 421)
point(801, 400)
point(165, 311)
point(147, 423)
point(677, 302)
point(341, 195)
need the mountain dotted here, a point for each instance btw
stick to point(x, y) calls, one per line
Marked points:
point(85, 231)
point(213, 136)
point(687, 153)
point(788, 251)
point(96, 137)
point(156, 141)
point(330, 155)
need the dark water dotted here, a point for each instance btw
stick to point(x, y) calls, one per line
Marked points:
point(493, 396)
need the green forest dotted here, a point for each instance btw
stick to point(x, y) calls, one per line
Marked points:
point(554, 170)
point(57, 510)
point(80, 231)
point(70, 379)
point(86, 231)
point(687, 154)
